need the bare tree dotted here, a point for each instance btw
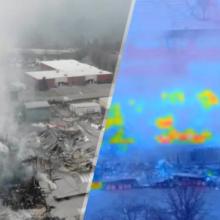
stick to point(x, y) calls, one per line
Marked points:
point(132, 211)
point(198, 8)
point(186, 203)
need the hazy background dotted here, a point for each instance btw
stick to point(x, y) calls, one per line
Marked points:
point(93, 27)
point(61, 23)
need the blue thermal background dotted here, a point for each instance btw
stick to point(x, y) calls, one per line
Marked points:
point(171, 46)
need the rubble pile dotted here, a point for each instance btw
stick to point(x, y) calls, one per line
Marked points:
point(53, 218)
point(96, 119)
point(53, 162)
point(54, 140)
point(80, 160)
point(60, 147)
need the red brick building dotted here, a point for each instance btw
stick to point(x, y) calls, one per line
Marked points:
point(66, 72)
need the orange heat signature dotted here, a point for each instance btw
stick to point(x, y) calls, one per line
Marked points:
point(163, 139)
point(165, 122)
point(188, 136)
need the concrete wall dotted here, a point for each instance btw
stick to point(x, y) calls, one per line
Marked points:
point(37, 114)
point(81, 110)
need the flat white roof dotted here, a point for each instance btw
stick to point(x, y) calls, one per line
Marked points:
point(40, 104)
point(67, 68)
point(45, 74)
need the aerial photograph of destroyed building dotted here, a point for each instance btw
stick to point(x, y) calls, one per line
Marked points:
point(57, 65)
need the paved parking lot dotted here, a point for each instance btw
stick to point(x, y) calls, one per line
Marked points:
point(73, 93)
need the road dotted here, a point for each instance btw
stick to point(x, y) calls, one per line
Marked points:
point(74, 93)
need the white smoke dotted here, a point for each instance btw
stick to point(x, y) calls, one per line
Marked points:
point(3, 149)
point(7, 214)
point(44, 177)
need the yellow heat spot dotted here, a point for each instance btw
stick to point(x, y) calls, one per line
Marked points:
point(115, 118)
point(96, 185)
point(119, 138)
point(207, 134)
point(208, 99)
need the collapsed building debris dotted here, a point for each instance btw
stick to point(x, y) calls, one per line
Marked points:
point(53, 218)
point(52, 168)
point(58, 148)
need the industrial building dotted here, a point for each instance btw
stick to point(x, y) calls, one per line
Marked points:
point(85, 108)
point(66, 72)
point(37, 111)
